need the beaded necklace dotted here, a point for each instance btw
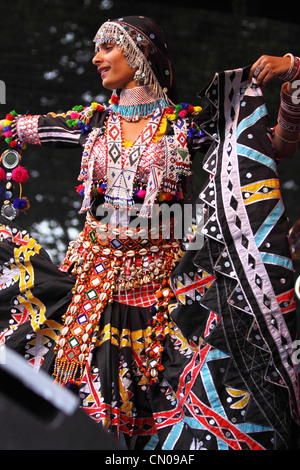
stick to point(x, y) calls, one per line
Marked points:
point(121, 175)
point(136, 103)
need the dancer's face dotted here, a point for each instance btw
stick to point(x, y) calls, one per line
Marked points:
point(113, 68)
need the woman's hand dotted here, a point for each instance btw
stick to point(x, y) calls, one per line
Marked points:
point(268, 67)
point(2, 136)
point(286, 138)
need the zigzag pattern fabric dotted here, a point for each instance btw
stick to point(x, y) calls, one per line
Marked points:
point(236, 385)
point(229, 381)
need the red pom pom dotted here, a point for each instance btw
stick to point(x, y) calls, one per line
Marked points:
point(79, 188)
point(20, 174)
point(13, 143)
point(115, 99)
point(169, 110)
point(191, 108)
point(10, 117)
point(2, 174)
point(100, 108)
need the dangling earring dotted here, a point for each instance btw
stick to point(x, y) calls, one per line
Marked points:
point(139, 77)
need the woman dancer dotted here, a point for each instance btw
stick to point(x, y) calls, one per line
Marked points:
point(203, 361)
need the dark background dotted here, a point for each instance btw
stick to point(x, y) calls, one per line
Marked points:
point(46, 49)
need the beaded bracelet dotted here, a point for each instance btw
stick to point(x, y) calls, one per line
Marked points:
point(294, 71)
point(289, 112)
point(11, 171)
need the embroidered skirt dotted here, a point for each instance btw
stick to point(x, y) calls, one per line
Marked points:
point(84, 311)
point(199, 402)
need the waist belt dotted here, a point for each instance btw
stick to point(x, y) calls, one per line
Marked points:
point(100, 257)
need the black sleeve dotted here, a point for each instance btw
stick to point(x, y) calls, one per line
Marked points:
point(55, 130)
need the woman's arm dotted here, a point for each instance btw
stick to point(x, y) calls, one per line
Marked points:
point(287, 131)
point(50, 130)
point(287, 68)
point(1, 130)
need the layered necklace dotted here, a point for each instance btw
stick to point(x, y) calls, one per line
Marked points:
point(136, 103)
point(121, 175)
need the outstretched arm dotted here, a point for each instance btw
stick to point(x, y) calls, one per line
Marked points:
point(287, 68)
point(54, 130)
point(1, 130)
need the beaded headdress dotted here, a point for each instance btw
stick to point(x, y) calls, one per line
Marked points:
point(131, 34)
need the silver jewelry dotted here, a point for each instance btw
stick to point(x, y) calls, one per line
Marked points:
point(139, 77)
point(294, 71)
point(257, 71)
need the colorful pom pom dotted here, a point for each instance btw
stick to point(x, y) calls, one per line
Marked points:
point(141, 194)
point(183, 113)
point(80, 189)
point(197, 109)
point(2, 174)
point(114, 99)
point(74, 115)
point(20, 174)
point(12, 143)
point(168, 197)
point(10, 117)
point(21, 204)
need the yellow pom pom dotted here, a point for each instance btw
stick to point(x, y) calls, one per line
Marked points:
point(94, 105)
point(197, 109)
point(7, 123)
point(171, 117)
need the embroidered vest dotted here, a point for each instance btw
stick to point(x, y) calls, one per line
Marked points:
point(121, 174)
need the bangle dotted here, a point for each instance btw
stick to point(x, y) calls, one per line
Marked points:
point(285, 140)
point(294, 71)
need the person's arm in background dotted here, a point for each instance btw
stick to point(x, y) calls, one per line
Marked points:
point(287, 68)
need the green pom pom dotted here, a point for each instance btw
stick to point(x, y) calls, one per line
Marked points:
point(78, 108)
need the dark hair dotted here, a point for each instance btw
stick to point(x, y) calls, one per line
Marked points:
point(158, 57)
